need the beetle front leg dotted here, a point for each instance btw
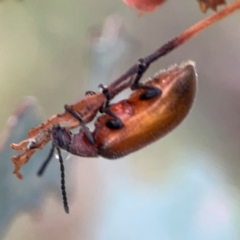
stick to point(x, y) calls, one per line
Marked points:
point(151, 91)
point(82, 123)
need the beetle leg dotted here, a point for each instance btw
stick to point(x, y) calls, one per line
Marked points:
point(116, 122)
point(151, 91)
point(46, 162)
point(105, 91)
point(82, 123)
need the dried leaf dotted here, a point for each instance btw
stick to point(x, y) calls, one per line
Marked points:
point(144, 6)
point(213, 4)
point(18, 196)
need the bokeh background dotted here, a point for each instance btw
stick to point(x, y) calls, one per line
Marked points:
point(185, 186)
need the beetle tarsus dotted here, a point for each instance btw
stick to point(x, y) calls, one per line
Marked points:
point(151, 91)
point(116, 122)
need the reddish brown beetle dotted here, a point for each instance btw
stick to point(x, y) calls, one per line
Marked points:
point(127, 120)
point(87, 108)
point(144, 120)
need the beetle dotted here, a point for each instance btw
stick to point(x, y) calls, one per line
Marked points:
point(114, 145)
point(144, 120)
point(87, 111)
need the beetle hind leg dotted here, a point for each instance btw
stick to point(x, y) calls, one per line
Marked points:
point(151, 91)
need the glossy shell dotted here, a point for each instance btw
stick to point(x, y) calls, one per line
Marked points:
point(145, 121)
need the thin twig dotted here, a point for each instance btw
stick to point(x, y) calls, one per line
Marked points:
point(176, 42)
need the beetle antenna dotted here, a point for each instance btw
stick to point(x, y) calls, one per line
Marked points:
point(46, 162)
point(64, 193)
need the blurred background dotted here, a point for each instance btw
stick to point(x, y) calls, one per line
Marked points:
point(185, 186)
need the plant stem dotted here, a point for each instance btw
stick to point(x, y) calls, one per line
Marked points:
point(176, 42)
